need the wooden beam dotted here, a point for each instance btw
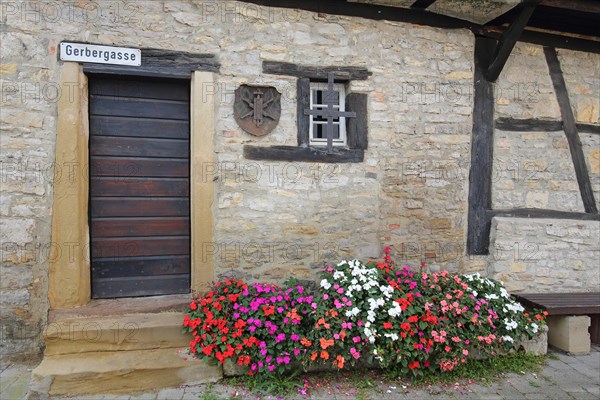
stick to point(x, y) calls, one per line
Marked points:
point(588, 128)
point(570, 128)
point(560, 41)
point(314, 72)
point(588, 6)
point(422, 4)
point(307, 154)
point(528, 125)
point(482, 147)
point(542, 213)
point(507, 42)
point(302, 103)
point(540, 125)
point(161, 63)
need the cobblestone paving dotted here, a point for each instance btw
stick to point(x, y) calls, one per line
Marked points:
point(563, 377)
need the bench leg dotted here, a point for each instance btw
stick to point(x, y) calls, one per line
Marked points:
point(569, 333)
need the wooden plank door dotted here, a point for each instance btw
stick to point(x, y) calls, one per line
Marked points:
point(139, 186)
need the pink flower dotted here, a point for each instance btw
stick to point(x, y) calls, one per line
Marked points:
point(354, 353)
point(465, 352)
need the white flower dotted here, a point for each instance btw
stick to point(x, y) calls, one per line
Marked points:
point(352, 313)
point(507, 339)
point(491, 296)
point(395, 310)
point(504, 293)
point(510, 325)
point(515, 307)
point(534, 327)
point(371, 316)
point(325, 284)
point(337, 275)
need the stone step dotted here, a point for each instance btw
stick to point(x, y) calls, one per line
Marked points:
point(118, 372)
point(139, 331)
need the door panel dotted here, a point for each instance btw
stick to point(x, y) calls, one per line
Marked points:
point(139, 186)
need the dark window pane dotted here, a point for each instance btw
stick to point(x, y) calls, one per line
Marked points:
point(320, 131)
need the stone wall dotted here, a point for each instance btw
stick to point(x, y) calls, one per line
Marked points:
point(545, 255)
point(273, 219)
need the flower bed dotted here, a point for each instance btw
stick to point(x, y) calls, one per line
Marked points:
point(373, 313)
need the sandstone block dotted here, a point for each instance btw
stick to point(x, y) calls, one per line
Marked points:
point(569, 333)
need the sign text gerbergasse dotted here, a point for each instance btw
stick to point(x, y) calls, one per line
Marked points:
point(100, 54)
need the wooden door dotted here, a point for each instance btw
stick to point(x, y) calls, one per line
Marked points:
point(139, 186)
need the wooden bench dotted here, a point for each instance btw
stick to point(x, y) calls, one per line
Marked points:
point(569, 317)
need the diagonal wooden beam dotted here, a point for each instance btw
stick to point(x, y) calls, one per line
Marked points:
point(507, 41)
point(570, 128)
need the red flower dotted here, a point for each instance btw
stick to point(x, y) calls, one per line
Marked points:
point(233, 297)
point(193, 305)
point(239, 324)
point(413, 319)
point(268, 310)
point(405, 326)
point(414, 365)
point(387, 325)
point(208, 349)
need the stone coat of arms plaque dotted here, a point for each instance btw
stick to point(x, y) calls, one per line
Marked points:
point(257, 109)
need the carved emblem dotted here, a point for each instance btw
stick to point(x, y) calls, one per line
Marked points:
point(257, 109)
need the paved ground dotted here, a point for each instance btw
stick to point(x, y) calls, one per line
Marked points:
point(564, 377)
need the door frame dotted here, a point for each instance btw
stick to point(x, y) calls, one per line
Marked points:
point(69, 273)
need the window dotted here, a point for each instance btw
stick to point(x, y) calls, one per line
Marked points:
point(318, 123)
point(347, 116)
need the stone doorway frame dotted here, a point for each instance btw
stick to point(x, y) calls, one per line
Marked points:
point(69, 275)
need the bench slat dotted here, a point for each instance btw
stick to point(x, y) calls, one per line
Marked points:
point(563, 303)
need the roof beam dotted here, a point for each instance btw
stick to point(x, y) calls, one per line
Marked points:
point(422, 4)
point(589, 6)
point(371, 11)
point(507, 42)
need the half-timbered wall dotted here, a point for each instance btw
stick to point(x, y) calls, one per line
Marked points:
point(534, 169)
